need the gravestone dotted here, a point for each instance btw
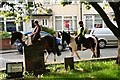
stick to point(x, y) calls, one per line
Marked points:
point(34, 58)
point(69, 62)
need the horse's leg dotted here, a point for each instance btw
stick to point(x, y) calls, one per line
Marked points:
point(54, 57)
point(71, 52)
point(48, 53)
point(93, 51)
point(97, 48)
point(77, 55)
point(74, 50)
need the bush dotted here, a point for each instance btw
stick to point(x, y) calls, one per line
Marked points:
point(4, 34)
point(49, 30)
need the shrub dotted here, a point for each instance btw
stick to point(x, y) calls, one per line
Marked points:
point(4, 34)
point(49, 30)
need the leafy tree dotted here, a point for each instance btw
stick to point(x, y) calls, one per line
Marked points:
point(115, 5)
point(21, 11)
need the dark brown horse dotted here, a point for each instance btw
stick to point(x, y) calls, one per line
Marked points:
point(89, 43)
point(47, 42)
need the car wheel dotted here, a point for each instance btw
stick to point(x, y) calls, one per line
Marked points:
point(102, 43)
point(60, 47)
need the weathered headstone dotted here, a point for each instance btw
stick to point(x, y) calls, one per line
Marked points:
point(69, 62)
point(34, 58)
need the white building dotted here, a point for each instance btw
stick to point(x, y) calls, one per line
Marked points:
point(58, 16)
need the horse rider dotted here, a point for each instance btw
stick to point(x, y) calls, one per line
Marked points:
point(35, 35)
point(80, 34)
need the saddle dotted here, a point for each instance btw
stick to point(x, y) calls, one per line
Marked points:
point(28, 40)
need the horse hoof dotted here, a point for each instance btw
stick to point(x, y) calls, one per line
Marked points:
point(54, 60)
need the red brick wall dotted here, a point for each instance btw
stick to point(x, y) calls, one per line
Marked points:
point(5, 44)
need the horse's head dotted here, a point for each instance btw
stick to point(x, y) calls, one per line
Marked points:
point(15, 36)
point(65, 37)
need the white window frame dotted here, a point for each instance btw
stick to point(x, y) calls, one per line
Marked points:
point(2, 22)
point(73, 19)
point(45, 24)
point(47, 2)
point(93, 20)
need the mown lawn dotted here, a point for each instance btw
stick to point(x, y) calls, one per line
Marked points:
point(83, 70)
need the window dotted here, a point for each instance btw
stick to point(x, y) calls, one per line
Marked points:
point(98, 21)
point(20, 28)
point(93, 21)
point(56, 1)
point(45, 22)
point(60, 23)
point(32, 23)
point(1, 4)
point(10, 1)
point(31, 1)
point(19, 0)
point(46, 2)
point(10, 26)
point(74, 22)
point(2, 24)
point(88, 21)
point(68, 18)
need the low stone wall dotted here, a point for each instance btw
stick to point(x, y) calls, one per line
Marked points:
point(5, 44)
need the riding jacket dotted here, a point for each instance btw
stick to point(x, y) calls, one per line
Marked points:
point(81, 31)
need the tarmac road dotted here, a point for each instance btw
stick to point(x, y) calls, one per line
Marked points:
point(14, 56)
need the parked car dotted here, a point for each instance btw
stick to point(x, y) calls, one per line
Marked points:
point(10, 29)
point(42, 33)
point(104, 35)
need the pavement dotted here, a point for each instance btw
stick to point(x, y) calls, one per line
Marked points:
point(5, 52)
point(8, 51)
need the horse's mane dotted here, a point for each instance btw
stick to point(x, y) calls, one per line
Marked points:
point(17, 35)
point(66, 37)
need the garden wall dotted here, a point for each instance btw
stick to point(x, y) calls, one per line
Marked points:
point(5, 44)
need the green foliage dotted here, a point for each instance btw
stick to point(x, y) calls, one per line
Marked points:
point(19, 11)
point(4, 34)
point(28, 75)
point(68, 2)
point(2, 75)
point(88, 69)
point(85, 69)
point(49, 30)
point(65, 2)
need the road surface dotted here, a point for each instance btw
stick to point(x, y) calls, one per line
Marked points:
point(14, 56)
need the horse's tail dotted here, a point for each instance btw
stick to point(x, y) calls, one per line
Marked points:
point(56, 49)
point(98, 48)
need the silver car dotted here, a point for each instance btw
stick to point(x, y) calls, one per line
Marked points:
point(104, 35)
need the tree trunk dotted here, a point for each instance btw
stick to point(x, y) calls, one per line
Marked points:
point(118, 56)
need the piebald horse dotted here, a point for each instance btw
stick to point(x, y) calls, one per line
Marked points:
point(89, 43)
point(47, 42)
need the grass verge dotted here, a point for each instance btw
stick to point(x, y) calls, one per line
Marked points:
point(83, 70)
